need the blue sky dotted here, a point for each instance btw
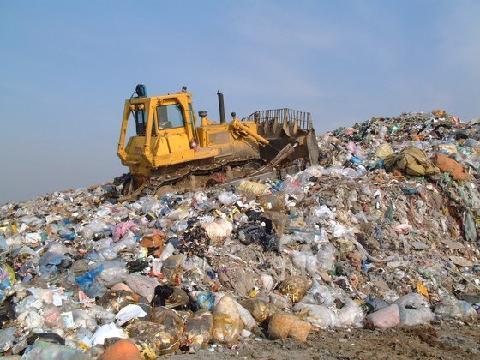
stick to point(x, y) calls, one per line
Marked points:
point(67, 66)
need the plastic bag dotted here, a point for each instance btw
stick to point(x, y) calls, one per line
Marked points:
point(67, 234)
point(3, 243)
point(51, 259)
point(113, 272)
point(305, 261)
point(167, 252)
point(454, 309)
point(142, 285)
point(7, 337)
point(412, 300)
point(82, 318)
point(341, 171)
point(253, 188)
point(128, 242)
point(32, 238)
point(247, 319)
point(44, 350)
point(351, 314)
point(106, 332)
point(198, 330)
point(260, 310)
point(7, 279)
point(312, 171)
point(293, 187)
point(129, 312)
point(323, 294)
point(87, 280)
point(384, 151)
point(253, 232)
point(413, 317)
point(179, 213)
point(326, 256)
point(338, 230)
point(227, 324)
point(173, 268)
point(469, 227)
point(162, 334)
point(155, 339)
point(282, 326)
point(204, 300)
point(121, 229)
point(218, 230)
point(227, 198)
point(274, 202)
point(105, 249)
point(295, 287)
point(96, 227)
point(384, 318)
point(150, 205)
point(323, 213)
point(319, 316)
point(267, 282)
point(414, 310)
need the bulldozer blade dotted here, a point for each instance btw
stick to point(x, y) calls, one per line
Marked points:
point(282, 155)
point(276, 128)
point(313, 150)
point(286, 126)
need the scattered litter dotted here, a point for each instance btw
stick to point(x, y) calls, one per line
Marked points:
point(382, 233)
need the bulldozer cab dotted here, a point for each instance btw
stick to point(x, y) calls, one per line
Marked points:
point(167, 113)
point(165, 132)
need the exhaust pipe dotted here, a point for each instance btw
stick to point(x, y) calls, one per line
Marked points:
point(221, 107)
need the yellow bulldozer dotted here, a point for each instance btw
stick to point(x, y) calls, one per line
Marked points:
point(169, 145)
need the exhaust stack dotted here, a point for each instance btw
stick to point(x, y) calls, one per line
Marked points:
point(221, 107)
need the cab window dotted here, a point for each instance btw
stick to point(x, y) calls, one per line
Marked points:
point(170, 116)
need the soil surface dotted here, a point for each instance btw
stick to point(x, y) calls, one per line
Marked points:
point(439, 341)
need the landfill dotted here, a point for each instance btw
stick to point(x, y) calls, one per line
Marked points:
point(382, 234)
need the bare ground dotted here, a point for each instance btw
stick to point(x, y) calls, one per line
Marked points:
point(439, 341)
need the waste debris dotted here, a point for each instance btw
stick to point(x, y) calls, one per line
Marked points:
point(382, 233)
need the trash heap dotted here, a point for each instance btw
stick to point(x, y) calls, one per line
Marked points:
point(383, 233)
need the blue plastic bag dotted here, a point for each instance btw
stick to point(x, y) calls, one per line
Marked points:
point(206, 300)
point(5, 283)
point(86, 280)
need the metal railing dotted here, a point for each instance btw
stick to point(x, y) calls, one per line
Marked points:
point(303, 119)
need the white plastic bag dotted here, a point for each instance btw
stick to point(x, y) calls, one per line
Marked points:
point(247, 318)
point(218, 230)
point(129, 312)
point(106, 332)
point(318, 315)
point(227, 198)
point(350, 314)
point(305, 261)
point(267, 282)
point(326, 256)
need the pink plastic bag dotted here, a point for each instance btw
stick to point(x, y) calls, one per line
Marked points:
point(121, 229)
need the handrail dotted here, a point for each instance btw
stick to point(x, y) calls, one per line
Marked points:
point(303, 119)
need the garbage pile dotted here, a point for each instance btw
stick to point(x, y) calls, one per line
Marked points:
point(383, 233)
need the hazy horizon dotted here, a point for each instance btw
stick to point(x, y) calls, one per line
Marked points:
point(66, 68)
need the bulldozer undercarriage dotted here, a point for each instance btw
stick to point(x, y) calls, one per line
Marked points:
point(207, 173)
